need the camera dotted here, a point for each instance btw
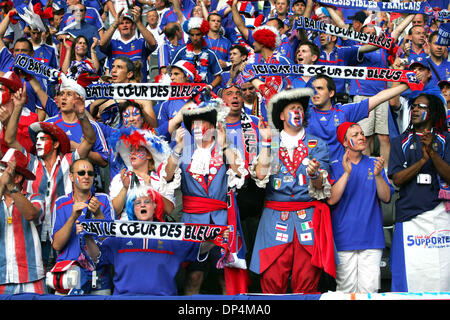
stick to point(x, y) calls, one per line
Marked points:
point(423, 178)
point(64, 281)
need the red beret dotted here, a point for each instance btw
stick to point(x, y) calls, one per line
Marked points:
point(342, 130)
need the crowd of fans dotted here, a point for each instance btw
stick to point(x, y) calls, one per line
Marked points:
point(296, 165)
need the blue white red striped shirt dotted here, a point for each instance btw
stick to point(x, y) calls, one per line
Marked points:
point(20, 246)
point(51, 185)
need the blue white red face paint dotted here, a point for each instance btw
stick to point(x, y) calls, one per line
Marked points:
point(350, 142)
point(43, 144)
point(424, 115)
point(129, 114)
point(199, 129)
point(140, 153)
point(295, 118)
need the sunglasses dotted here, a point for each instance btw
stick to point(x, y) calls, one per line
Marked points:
point(419, 105)
point(83, 173)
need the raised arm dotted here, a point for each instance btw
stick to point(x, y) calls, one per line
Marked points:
point(107, 35)
point(88, 131)
point(386, 95)
point(19, 100)
point(146, 34)
point(237, 19)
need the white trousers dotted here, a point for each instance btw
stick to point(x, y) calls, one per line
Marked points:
point(359, 271)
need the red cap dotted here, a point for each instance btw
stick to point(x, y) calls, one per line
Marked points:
point(342, 130)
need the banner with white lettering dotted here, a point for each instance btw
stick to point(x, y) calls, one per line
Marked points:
point(363, 73)
point(155, 230)
point(31, 66)
point(426, 245)
point(143, 91)
point(403, 7)
point(151, 230)
point(381, 41)
point(443, 37)
point(136, 91)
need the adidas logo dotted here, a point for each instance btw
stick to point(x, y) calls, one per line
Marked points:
point(323, 118)
point(130, 243)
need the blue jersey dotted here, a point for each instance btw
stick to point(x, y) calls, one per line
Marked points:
point(360, 87)
point(438, 72)
point(323, 124)
point(167, 51)
point(47, 54)
point(136, 49)
point(339, 56)
point(206, 69)
point(61, 213)
point(357, 219)
point(146, 266)
point(298, 82)
point(75, 133)
point(62, 210)
point(221, 47)
point(170, 16)
point(406, 150)
point(417, 56)
point(92, 17)
point(167, 110)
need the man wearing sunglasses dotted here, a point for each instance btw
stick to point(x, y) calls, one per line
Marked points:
point(419, 166)
point(81, 203)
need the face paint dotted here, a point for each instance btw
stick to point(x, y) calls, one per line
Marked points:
point(297, 123)
point(6, 94)
point(424, 115)
point(43, 144)
point(131, 114)
point(199, 130)
point(77, 181)
point(350, 142)
point(140, 153)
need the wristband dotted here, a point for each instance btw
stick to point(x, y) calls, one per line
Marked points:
point(176, 155)
point(266, 144)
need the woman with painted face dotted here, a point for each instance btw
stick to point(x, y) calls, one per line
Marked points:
point(145, 156)
point(150, 265)
point(130, 116)
point(356, 213)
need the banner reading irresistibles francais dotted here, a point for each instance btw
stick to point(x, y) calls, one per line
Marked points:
point(402, 7)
